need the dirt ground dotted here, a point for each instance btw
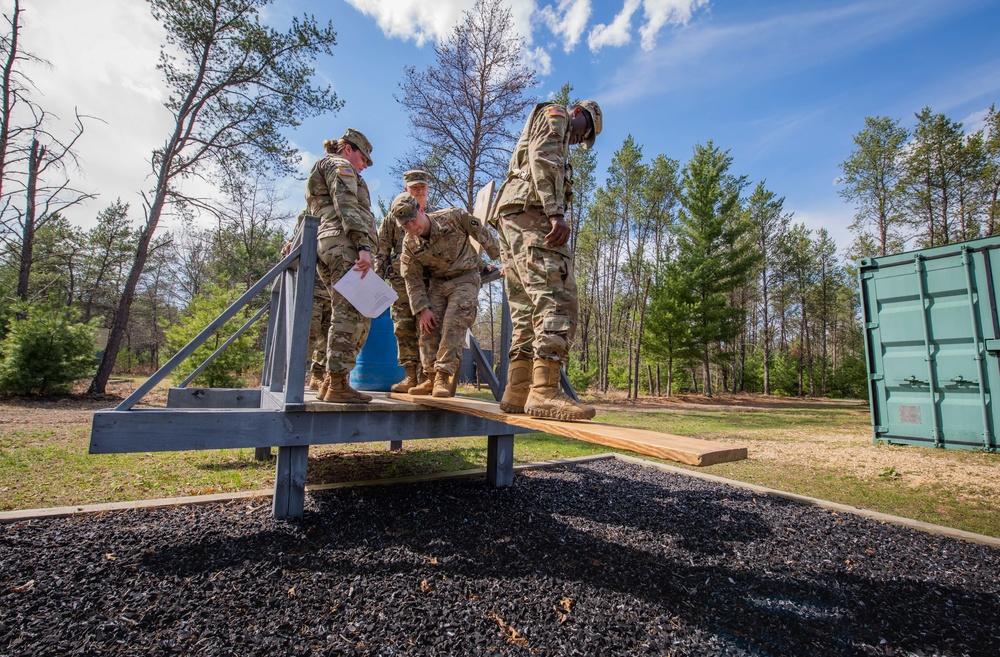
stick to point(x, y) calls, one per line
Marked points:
point(844, 448)
point(847, 449)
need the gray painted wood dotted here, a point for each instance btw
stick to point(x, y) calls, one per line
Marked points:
point(485, 368)
point(301, 313)
point(213, 398)
point(394, 445)
point(290, 482)
point(506, 330)
point(262, 454)
point(278, 350)
point(215, 354)
point(500, 460)
point(164, 430)
point(566, 385)
point(272, 314)
point(188, 349)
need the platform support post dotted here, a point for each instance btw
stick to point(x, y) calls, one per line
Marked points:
point(290, 482)
point(500, 460)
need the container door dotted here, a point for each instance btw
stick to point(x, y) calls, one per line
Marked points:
point(926, 352)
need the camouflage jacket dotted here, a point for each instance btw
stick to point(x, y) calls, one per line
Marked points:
point(390, 248)
point(445, 253)
point(539, 174)
point(338, 195)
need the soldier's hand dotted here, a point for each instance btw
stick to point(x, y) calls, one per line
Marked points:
point(427, 320)
point(559, 234)
point(363, 263)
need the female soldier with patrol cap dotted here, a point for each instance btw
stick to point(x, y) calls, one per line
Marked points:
point(338, 195)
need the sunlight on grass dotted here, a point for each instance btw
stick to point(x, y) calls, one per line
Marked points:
point(51, 466)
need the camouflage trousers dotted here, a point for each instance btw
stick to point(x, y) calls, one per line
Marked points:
point(404, 324)
point(348, 327)
point(319, 326)
point(454, 303)
point(541, 288)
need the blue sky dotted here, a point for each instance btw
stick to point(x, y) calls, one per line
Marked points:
point(782, 85)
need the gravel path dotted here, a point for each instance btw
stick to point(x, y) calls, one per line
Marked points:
point(601, 558)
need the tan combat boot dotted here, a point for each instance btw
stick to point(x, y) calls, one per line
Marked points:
point(518, 384)
point(323, 387)
point(341, 392)
point(426, 386)
point(316, 380)
point(545, 399)
point(444, 384)
point(410, 380)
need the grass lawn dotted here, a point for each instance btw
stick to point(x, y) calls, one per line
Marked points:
point(818, 450)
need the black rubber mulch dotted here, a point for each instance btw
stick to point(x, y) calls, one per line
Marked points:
point(604, 558)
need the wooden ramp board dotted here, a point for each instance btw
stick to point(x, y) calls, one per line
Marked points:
point(692, 451)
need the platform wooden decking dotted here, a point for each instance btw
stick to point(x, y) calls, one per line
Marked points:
point(692, 451)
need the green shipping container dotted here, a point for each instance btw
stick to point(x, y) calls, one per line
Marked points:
point(932, 341)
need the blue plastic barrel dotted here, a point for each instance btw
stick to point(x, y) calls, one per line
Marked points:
point(377, 367)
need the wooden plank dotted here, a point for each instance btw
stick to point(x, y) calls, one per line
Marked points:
point(692, 451)
point(481, 210)
point(484, 201)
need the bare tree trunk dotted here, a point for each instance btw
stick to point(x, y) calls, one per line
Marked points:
point(100, 382)
point(708, 372)
point(28, 232)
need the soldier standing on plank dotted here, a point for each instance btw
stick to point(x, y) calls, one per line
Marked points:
point(390, 248)
point(539, 279)
point(437, 248)
point(338, 195)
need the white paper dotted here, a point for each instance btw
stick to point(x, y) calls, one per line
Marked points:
point(370, 295)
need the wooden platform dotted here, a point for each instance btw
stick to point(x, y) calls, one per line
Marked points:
point(692, 451)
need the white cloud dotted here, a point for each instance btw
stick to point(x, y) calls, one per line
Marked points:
point(103, 60)
point(423, 22)
point(567, 19)
point(414, 19)
point(657, 14)
point(660, 12)
point(539, 59)
point(618, 32)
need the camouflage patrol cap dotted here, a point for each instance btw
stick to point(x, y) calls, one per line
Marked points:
point(594, 110)
point(404, 208)
point(416, 177)
point(361, 142)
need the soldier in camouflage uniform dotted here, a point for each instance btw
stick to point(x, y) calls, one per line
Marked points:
point(390, 248)
point(537, 260)
point(338, 195)
point(437, 247)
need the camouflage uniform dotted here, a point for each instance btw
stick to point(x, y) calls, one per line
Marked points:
point(446, 256)
point(404, 324)
point(540, 282)
point(338, 195)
